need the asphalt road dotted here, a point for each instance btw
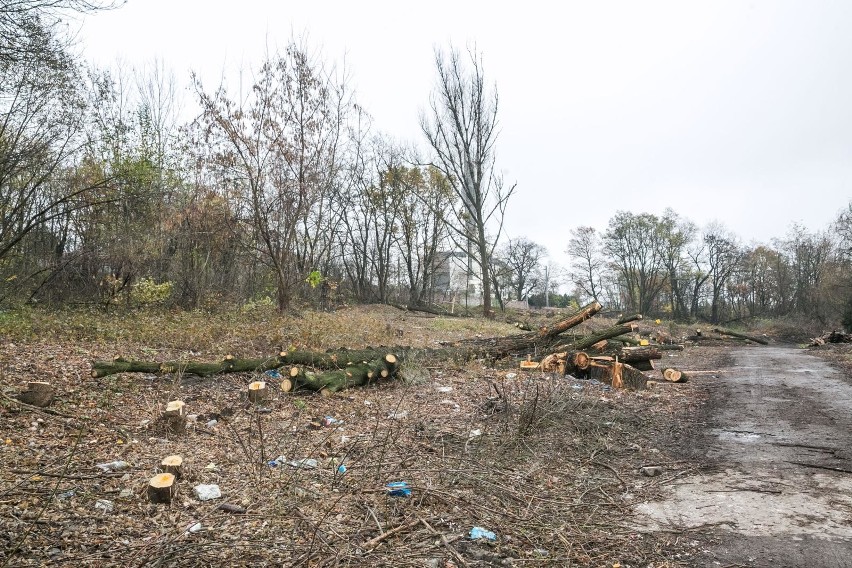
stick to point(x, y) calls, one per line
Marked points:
point(777, 440)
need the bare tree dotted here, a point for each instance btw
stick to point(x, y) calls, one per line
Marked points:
point(523, 259)
point(584, 248)
point(635, 244)
point(461, 129)
point(275, 155)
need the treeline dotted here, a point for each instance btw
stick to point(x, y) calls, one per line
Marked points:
point(666, 265)
point(278, 190)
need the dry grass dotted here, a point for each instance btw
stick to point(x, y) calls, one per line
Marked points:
point(548, 463)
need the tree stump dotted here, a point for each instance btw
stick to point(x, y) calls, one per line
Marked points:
point(257, 391)
point(162, 488)
point(172, 464)
point(175, 408)
point(38, 393)
point(173, 420)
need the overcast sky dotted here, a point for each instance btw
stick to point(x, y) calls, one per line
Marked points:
point(736, 111)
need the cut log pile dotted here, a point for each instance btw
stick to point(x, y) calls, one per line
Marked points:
point(719, 334)
point(337, 370)
point(831, 337)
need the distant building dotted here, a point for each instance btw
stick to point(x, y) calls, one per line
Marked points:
point(455, 280)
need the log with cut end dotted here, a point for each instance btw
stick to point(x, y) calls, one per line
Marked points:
point(589, 340)
point(38, 393)
point(257, 391)
point(739, 335)
point(162, 488)
point(628, 319)
point(636, 354)
point(328, 382)
point(674, 376)
point(576, 319)
point(172, 464)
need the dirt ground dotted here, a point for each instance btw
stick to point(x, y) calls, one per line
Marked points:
point(774, 444)
point(551, 465)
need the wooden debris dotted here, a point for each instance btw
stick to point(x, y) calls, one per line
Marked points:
point(628, 319)
point(674, 376)
point(173, 419)
point(175, 408)
point(831, 337)
point(257, 391)
point(38, 394)
point(738, 335)
point(529, 364)
point(162, 488)
point(172, 464)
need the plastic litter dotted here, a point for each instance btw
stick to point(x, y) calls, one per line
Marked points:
point(341, 469)
point(104, 505)
point(445, 389)
point(398, 489)
point(330, 421)
point(479, 532)
point(194, 528)
point(304, 463)
point(273, 374)
point(113, 466)
point(207, 492)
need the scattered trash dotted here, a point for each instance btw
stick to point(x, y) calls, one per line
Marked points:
point(474, 434)
point(104, 505)
point(479, 532)
point(330, 421)
point(211, 467)
point(211, 423)
point(367, 403)
point(113, 466)
point(125, 494)
point(541, 552)
point(511, 376)
point(207, 492)
point(273, 374)
point(651, 470)
point(341, 469)
point(445, 389)
point(398, 489)
point(231, 508)
point(304, 463)
point(398, 415)
point(264, 410)
point(66, 494)
point(194, 528)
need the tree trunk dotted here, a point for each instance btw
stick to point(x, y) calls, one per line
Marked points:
point(760, 340)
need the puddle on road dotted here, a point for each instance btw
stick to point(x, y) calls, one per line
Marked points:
point(736, 436)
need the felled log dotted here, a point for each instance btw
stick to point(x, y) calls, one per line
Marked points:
point(162, 488)
point(636, 354)
point(354, 375)
point(587, 341)
point(38, 393)
point(628, 319)
point(674, 376)
point(736, 334)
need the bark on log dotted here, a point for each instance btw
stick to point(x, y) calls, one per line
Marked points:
point(354, 375)
point(585, 313)
point(635, 354)
point(589, 340)
point(674, 376)
point(736, 334)
point(628, 319)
